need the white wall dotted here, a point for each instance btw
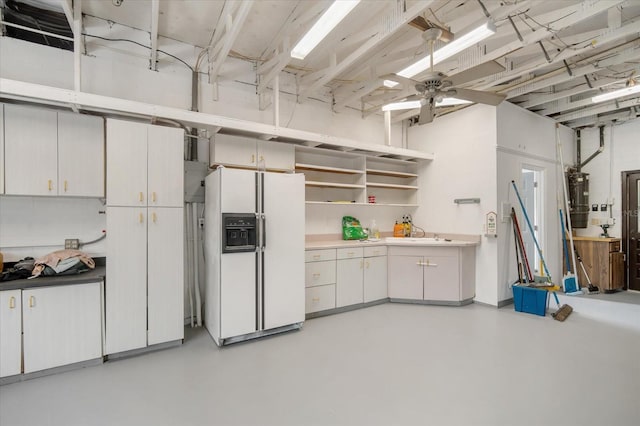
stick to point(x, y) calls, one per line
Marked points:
point(35, 226)
point(527, 139)
point(621, 153)
point(464, 167)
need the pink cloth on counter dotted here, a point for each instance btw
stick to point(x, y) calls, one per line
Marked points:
point(52, 259)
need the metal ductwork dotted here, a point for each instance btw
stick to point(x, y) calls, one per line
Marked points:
point(578, 184)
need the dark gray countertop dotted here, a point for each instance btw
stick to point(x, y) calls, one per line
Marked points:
point(92, 276)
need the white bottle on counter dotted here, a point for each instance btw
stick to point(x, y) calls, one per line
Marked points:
point(374, 232)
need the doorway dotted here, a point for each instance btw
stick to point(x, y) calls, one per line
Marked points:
point(630, 225)
point(531, 182)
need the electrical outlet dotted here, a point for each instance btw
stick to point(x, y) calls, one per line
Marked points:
point(603, 207)
point(72, 243)
point(594, 207)
point(201, 222)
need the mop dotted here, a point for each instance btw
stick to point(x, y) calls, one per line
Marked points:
point(565, 310)
point(569, 283)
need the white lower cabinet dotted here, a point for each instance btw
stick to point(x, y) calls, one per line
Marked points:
point(10, 332)
point(439, 274)
point(375, 273)
point(349, 275)
point(320, 280)
point(61, 325)
point(48, 327)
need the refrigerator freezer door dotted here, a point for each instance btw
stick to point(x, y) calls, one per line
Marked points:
point(283, 279)
point(238, 191)
point(237, 294)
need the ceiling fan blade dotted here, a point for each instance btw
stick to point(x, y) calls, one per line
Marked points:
point(399, 79)
point(480, 71)
point(488, 98)
point(415, 97)
point(426, 113)
point(420, 23)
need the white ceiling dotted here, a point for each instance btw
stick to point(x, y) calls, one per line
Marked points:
point(591, 46)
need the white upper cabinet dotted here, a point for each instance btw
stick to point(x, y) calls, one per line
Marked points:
point(31, 151)
point(145, 165)
point(165, 166)
point(251, 153)
point(52, 153)
point(126, 163)
point(80, 155)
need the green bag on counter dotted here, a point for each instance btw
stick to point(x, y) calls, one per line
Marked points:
point(351, 229)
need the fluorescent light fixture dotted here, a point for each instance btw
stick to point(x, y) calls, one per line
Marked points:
point(327, 22)
point(417, 104)
point(616, 94)
point(446, 51)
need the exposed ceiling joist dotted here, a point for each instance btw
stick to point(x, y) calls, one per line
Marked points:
point(597, 109)
point(597, 120)
point(155, 14)
point(396, 21)
point(67, 8)
point(563, 94)
point(232, 26)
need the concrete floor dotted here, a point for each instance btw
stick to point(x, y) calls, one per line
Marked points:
point(386, 365)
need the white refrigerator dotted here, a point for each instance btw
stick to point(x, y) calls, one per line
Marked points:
point(254, 253)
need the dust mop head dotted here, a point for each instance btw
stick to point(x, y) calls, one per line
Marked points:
point(562, 313)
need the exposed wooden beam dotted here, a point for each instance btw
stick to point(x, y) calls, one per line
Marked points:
point(536, 100)
point(233, 26)
point(598, 109)
point(386, 28)
point(155, 13)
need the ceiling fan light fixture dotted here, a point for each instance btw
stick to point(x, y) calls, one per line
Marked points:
point(323, 26)
point(456, 46)
point(616, 94)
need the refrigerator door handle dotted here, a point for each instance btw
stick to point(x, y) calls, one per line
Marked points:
point(263, 229)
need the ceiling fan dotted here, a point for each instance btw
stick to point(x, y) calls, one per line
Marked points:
point(436, 86)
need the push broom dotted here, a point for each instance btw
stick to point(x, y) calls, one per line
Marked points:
point(565, 310)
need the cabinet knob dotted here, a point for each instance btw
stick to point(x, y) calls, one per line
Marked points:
point(316, 256)
point(141, 197)
point(153, 197)
point(65, 186)
point(316, 299)
point(50, 184)
point(141, 218)
point(32, 301)
point(316, 275)
point(12, 302)
point(367, 264)
point(153, 217)
point(253, 158)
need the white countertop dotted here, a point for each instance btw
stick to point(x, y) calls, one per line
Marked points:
point(389, 241)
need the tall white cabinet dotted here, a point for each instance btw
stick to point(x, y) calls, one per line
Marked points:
point(145, 233)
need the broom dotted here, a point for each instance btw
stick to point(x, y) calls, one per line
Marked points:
point(565, 310)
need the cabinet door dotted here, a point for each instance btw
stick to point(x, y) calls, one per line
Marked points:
point(62, 325)
point(165, 275)
point(616, 264)
point(276, 156)
point(126, 285)
point(1, 148)
point(31, 158)
point(126, 163)
point(405, 277)
point(441, 278)
point(233, 151)
point(375, 278)
point(165, 166)
point(349, 273)
point(80, 155)
point(10, 332)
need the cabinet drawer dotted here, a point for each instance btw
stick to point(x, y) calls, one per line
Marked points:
point(348, 253)
point(375, 251)
point(319, 255)
point(319, 273)
point(320, 298)
point(614, 246)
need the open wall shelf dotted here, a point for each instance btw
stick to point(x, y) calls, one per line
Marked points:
point(338, 178)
